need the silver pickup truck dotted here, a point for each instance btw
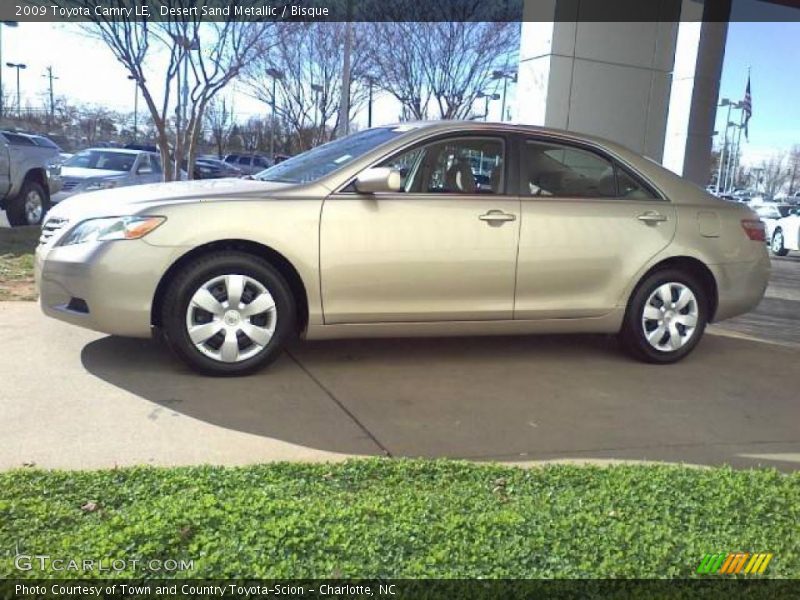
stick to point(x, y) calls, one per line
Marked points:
point(29, 176)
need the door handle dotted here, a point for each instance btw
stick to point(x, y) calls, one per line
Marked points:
point(497, 217)
point(652, 217)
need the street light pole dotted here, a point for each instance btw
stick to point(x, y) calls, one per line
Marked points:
point(18, 67)
point(371, 83)
point(486, 97)
point(723, 102)
point(135, 107)
point(2, 96)
point(505, 76)
point(344, 107)
point(276, 75)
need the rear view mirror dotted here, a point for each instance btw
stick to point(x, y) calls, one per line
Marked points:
point(378, 179)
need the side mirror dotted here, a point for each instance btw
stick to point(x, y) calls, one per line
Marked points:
point(378, 179)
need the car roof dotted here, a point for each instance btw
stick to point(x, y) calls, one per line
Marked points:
point(116, 150)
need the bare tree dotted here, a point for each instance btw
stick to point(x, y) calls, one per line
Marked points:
point(206, 56)
point(439, 68)
point(774, 174)
point(304, 70)
point(794, 167)
point(220, 122)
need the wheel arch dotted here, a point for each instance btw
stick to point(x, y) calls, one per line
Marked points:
point(692, 266)
point(272, 256)
point(37, 175)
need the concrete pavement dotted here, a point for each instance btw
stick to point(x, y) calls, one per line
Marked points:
point(73, 398)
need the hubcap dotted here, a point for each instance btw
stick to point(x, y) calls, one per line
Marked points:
point(231, 318)
point(33, 207)
point(670, 317)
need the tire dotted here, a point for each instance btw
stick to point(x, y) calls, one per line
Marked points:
point(776, 244)
point(667, 347)
point(29, 206)
point(221, 346)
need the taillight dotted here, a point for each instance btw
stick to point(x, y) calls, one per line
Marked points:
point(755, 230)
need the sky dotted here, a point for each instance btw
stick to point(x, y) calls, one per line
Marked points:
point(88, 73)
point(772, 53)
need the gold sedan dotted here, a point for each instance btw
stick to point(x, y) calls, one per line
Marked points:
point(422, 229)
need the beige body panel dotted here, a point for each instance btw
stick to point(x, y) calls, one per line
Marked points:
point(576, 256)
point(388, 258)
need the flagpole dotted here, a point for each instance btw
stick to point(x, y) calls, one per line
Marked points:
point(744, 118)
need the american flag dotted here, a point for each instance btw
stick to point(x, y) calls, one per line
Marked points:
point(747, 106)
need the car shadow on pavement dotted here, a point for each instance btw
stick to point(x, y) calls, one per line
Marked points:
point(488, 398)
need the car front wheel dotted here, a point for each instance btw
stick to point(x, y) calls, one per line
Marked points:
point(228, 313)
point(666, 317)
point(29, 207)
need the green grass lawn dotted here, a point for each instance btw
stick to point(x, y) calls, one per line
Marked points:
point(405, 519)
point(16, 262)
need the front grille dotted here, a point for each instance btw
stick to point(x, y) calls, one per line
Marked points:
point(51, 227)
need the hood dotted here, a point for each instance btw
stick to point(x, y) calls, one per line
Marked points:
point(83, 173)
point(133, 199)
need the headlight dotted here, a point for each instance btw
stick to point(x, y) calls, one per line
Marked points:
point(112, 228)
point(100, 185)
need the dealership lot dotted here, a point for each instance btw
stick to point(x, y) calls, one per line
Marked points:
point(73, 398)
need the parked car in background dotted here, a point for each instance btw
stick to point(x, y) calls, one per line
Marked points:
point(144, 147)
point(103, 168)
point(574, 234)
point(249, 164)
point(29, 177)
point(785, 234)
point(213, 168)
point(793, 198)
point(769, 213)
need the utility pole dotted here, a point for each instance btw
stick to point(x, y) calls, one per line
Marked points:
point(51, 77)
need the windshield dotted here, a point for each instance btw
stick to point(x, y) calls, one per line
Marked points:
point(102, 159)
point(322, 160)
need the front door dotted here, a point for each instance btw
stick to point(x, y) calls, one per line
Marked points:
point(441, 249)
point(588, 226)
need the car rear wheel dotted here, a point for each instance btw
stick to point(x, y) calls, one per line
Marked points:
point(29, 206)
point(228, 314)
point(666, 317)
point(776, 245)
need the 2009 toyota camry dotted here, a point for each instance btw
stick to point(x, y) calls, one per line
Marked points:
point(415, 229)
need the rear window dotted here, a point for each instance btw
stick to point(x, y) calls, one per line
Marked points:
point(17, 140)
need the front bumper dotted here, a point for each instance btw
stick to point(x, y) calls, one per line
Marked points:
point(740, 285)
point(117, 281)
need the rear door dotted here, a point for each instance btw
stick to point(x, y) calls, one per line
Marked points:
point(589, 225)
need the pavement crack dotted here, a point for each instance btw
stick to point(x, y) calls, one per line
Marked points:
point(341, 405)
